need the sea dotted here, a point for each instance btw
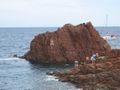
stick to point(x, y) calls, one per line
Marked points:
point(19, 74)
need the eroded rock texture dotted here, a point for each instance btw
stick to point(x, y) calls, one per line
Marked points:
point(67, 44)
point(104, 75)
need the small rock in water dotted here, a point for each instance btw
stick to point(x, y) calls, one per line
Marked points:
point(15, 55)
point(50, 73)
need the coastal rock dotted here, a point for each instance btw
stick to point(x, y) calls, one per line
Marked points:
point(67, 44)
point(71, 43)
point(114, 53)
point(102, 75)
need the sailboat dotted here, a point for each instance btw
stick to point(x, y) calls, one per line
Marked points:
point(110, 36)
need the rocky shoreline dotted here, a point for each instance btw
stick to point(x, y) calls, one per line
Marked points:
point(77, 43)
point(104, 75)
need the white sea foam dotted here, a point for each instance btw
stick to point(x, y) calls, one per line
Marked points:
point(79, 89)
point(76, 89)
point(51, 78)
point(12, 58)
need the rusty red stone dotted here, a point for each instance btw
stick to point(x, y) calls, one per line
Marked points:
point(68, 44)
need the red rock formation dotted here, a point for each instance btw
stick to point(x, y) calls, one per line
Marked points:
point(103, 75)
point(67, 44)
point(114, 53)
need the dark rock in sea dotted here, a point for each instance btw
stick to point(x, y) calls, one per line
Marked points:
point(50, 73)
point(67, 44)
point(16, 56)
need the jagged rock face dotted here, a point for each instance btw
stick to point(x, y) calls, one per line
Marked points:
point(67, 44)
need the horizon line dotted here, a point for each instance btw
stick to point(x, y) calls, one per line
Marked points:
point(48, 26)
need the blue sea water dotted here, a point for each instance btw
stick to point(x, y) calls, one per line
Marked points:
point(19, 74)
point(104, 31)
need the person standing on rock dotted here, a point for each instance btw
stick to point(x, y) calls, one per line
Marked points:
point(93, 58)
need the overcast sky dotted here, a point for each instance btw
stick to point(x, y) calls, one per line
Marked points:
point(41, 13)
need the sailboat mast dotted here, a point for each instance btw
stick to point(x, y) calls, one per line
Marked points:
point(106, 20)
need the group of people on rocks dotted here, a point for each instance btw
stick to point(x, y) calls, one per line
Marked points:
point(93, 59)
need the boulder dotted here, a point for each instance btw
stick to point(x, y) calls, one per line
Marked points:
point(67, 44)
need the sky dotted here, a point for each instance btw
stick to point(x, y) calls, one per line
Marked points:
point(52, 13)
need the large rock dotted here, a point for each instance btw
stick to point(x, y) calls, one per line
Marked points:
point(67, 44)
